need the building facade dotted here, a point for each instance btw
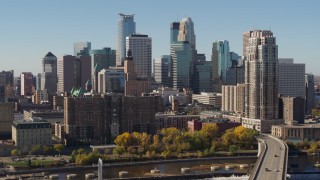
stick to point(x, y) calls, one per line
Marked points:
point(6, 118)
point(181, 57)
point(101, 59)
point(293, 110)
point(6, 85)
point(235, 75)
point(309, 92)
point(202, 77)
point(27, 86)
point(220, 59)
point(111, 80)
point(162, 70)
point(49, 77)
point(141, 48)
point(81, 48)
point(29, 133)
point(126, 27)
point(291, 78)
point(176, 121)
point(261, 76)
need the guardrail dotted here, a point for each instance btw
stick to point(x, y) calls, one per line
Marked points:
point(258, 163)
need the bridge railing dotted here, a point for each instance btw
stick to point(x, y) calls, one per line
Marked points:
point(257, 167)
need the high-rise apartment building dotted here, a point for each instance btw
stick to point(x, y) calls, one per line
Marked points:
point(233, 98)
point(138, 114)
point(141, 48)
point(291, 78)
point(181, 57)
point(49, 77)
point(81, 48)
point(27, 86)
point(126, 27)
point(293, 109)
point(162, 70)
point(309, 92)
point(85, 120)
point(6, 85)
point(101, 59)
point(261, 76)
point(73, 72)
point(246, 36)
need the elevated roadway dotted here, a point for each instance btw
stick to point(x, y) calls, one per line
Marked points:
point(273, 159)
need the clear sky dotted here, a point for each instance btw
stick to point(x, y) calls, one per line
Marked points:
point(29, 29)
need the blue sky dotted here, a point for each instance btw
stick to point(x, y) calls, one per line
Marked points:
point(29, 29)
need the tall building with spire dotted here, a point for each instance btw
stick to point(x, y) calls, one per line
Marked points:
point(186, 33)
point(126, 27)
point(49, 78)
point(261, 76)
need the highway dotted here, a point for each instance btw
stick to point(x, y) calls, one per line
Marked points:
point(273, 163)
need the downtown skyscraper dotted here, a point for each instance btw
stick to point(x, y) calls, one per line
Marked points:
point(126, 27)
point(183, 53)
point(261, 76)
point(49, 77)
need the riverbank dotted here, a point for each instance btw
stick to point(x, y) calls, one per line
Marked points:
point(94, 166)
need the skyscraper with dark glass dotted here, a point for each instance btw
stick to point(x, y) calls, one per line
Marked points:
point(49, 78)
point(126, 27)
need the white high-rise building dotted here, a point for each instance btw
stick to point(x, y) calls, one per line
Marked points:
point(141, 48)
point(186, 33)
point(261, 76)
point(126, 27)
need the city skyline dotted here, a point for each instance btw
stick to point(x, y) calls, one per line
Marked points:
point(32, 29)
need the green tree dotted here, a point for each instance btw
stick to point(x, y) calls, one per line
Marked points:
point(29, 163)
point(58, 147)
point(36, 149)
point(233, 149)
point(119, 151)
point(313, 148)
point(47, 149)
point(15, 152)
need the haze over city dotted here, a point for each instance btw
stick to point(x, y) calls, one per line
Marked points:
point(30, 29)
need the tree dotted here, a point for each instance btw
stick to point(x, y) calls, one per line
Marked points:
point(119, 151)
point(29, 163)
point(36, 149)
point(15, 152)
point(233, 149)
point(58, 147)
point(47, 149)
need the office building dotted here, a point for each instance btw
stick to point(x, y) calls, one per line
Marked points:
point(309, 92)
point(261, 79)
point(27, 86)
point(174, 31)
point(234, 58)
point(73, 72)
point(291, 78)
point(235, 75)
point(49, 77)
point(81, 48)
point(221, 59)
point(296, 131)
point(29, 133)
point(186, 33)
point(141, 48)
point(293, 110)
point(212, 99)
point(40, 96)
point(201, 57)
point(181, 56)
point(126, 27)
point(134, 86)
point(6, 85)
point(6, 118)
point(172, 120)
point(202, 77)
point(101, 59)
point(162, 67)
point(111, 80)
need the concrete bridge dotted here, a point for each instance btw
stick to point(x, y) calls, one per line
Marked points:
point(273, 159)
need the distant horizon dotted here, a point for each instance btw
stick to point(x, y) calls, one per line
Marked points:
point(32, 29)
